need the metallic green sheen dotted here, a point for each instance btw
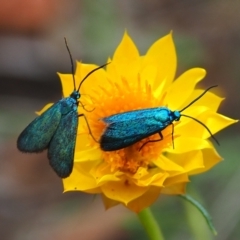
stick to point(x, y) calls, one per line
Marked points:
point(125, 129)
point(55, 130)
point(62, 146)
point(38, 134)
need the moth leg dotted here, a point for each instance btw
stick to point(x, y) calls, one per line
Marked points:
point(172, 135)
point(89, 129)
point(156, 140)
point(83, 106)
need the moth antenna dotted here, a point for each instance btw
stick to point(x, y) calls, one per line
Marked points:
point(95, 69)
point(72, 65)
point(198, 97)
point(203, 126)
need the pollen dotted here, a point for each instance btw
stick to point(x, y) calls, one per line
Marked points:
point(118, 98)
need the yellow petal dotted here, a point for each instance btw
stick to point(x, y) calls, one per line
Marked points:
point(123, 191)
point(45, 108)
point(210, 100)
point(126, 51)
point(98, 171)
point(149, 73)
point(107, 178)
point(67, 84)
point(126, 61)
point(190, 161)
point(162, 54)
point(108, 203)
point(175, 189)
point(175, 180)
point(187, 144)
point(84, 150)
point(95, 80)
point(155, 178)
point(210, 157)
point(167, 165)
point(79, 180)
point(103, 174)
point(214, 121)
point(144, 201)
point(85, 141)
point(90, 154)
point(182, 88)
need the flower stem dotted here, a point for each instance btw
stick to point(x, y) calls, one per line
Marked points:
point(150, 224)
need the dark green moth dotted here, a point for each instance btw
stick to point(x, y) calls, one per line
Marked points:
point(56, 130)
point(125, 129)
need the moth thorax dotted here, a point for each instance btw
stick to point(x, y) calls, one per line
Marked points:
point(162, 115)
point(68, 104)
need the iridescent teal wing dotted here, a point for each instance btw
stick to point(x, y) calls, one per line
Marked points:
point(130, 115)
point(125, 129)
point(123, 134)
point(38, 134)
point(62, 146)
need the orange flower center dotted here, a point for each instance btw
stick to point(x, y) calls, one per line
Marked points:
point(119, 98)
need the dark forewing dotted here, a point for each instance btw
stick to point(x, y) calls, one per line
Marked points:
point(37, 135)
point(131, 115)
point(62, 145)
point(123, 134)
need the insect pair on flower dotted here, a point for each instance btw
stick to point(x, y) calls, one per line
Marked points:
point(56, 128)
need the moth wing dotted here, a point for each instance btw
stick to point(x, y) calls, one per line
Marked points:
point(37, 135)
point(62, 146)
point(131, 115)
point(118, 135)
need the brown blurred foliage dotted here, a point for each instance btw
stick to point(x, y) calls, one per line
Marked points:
point(32, 50)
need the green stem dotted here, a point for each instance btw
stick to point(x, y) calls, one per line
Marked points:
point(150, 224)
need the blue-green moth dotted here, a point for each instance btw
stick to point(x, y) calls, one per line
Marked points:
point(125, 129)
point(56, 130)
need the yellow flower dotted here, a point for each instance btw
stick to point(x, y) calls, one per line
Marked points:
point(128, 176)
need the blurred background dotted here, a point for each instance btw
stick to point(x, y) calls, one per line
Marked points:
point(32, 50)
